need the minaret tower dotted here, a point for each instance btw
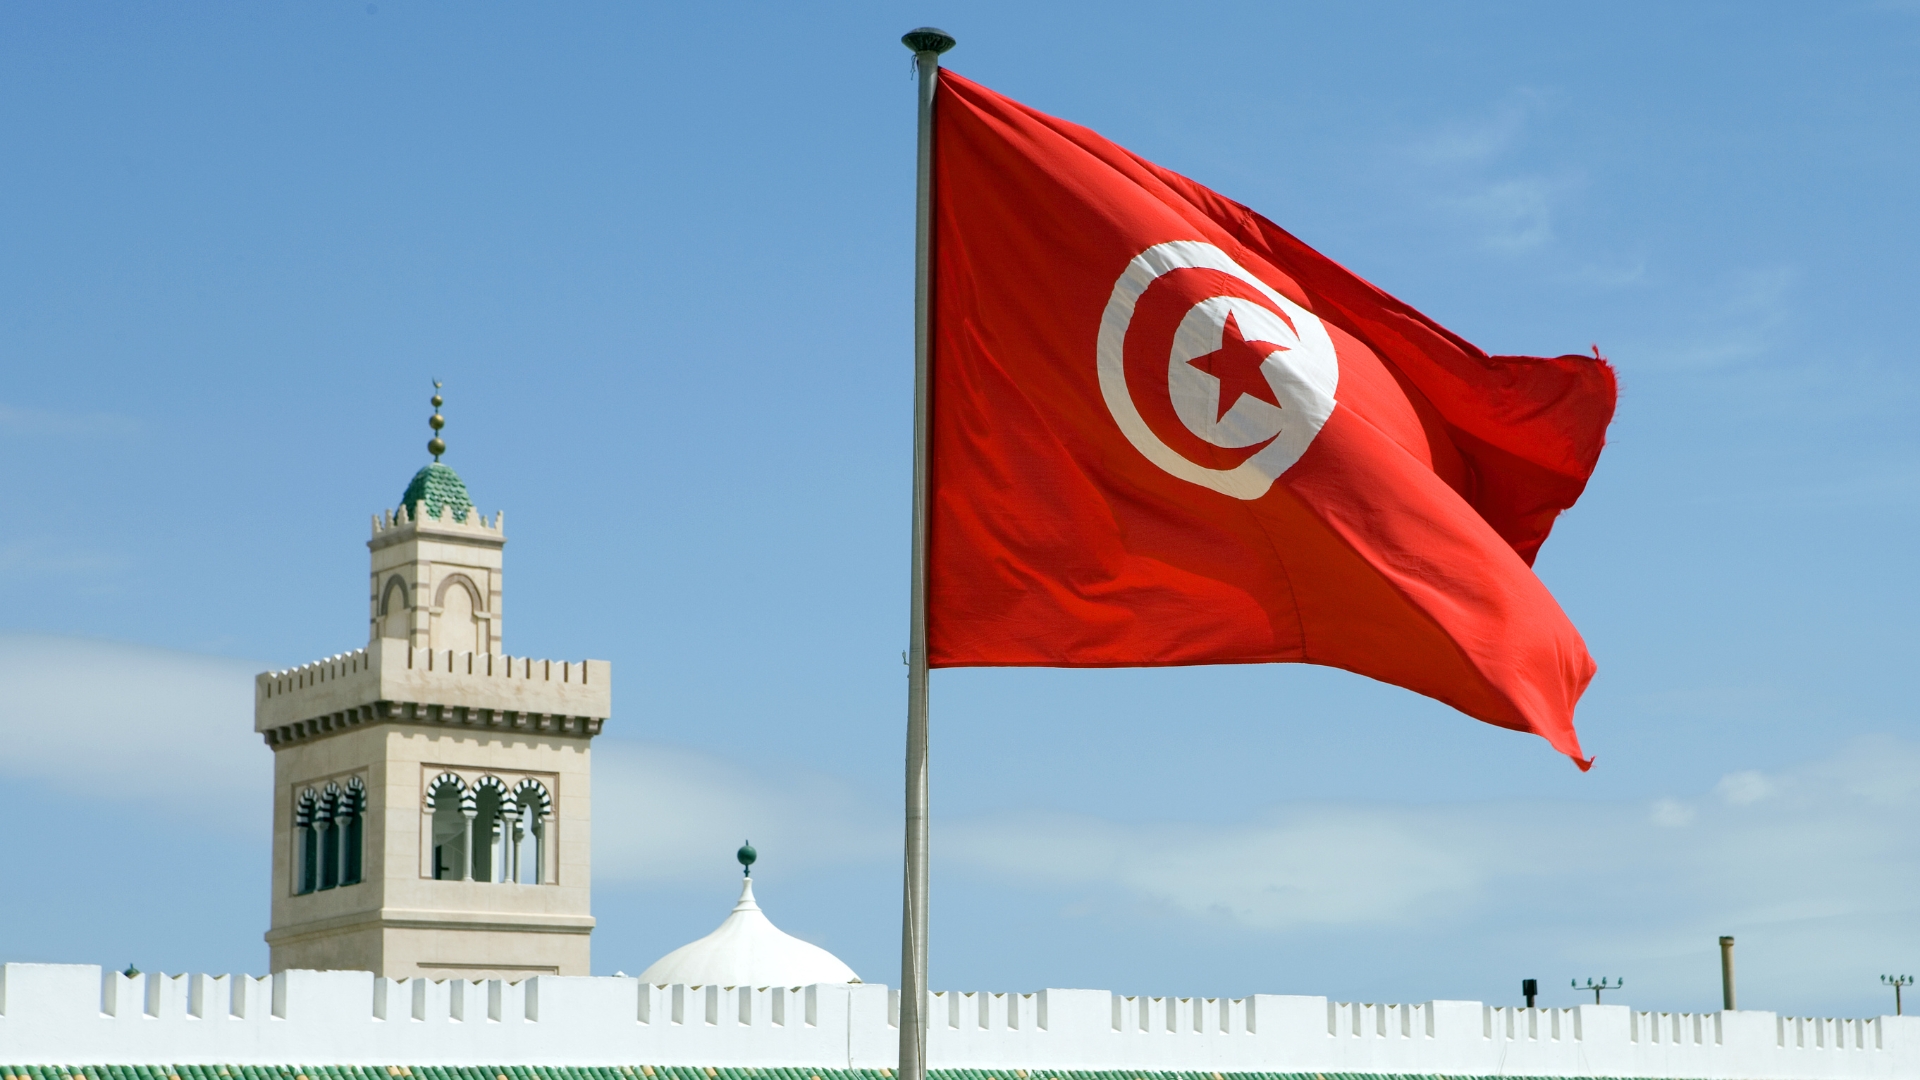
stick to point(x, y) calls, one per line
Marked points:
point(431, 792)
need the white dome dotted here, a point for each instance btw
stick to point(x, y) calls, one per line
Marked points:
point(748, 950)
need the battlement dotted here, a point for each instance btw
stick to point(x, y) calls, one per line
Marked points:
point(392, 526)
point(391, 681)
point(57, 1014)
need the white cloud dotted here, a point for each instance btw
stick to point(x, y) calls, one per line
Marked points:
point(1819, 863)
point(42, 557)
point(1476, 140)
point(1298, 866)
point(174, 731)
point(1836, 839)
point(666, 814)
point(171, 729)
point(1513, 214)
point(1467, 164)
point(1748, 318)
point(1672, 813)
point(31, 422)
point(1743, 788)
point(1612, 274)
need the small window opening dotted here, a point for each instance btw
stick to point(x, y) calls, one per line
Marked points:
point(350, 820)
point(329, 844)
point(306, 843)
point(450, 831)
point(486, 829)
point(532, 811)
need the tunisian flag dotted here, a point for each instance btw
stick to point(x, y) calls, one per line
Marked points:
point(1165, 431)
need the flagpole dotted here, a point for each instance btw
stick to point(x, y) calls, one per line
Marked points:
point(927, 44)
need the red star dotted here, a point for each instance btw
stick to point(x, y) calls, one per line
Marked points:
point(1236, 365)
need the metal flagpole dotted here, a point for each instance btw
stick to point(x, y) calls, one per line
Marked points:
point(927, 45)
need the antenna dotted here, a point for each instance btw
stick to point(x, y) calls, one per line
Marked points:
point(1897, 982)
point(1597, 987)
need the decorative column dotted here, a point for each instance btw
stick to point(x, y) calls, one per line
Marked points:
point(517, 831)
point(467, 814)
point(327, 872)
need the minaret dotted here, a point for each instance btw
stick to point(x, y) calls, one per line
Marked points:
point(431, 793)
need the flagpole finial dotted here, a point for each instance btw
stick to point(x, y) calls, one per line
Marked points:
point(928, 39)
point(746, 855)
point(436, 445)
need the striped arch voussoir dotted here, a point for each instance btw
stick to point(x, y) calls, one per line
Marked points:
point(353, 800)
point(532, 798)
point(459, 785)
point(503, 803)
point(305, 807)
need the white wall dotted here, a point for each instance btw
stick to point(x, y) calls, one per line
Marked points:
point(71, 1014)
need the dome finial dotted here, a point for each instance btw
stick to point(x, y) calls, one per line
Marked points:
point(436, 445)
point(746, 855)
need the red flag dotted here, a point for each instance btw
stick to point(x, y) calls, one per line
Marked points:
point(1165, 431)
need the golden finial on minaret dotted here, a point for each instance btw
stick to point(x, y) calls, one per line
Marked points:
point(436, 445)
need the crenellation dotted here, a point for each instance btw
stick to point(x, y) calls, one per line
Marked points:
point(387, 521)
point(1524, 1023)
point(63, 1013)
point(339, 665)
point(1827, 1033)
point(390, 679)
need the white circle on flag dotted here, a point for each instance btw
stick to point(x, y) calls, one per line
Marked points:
point(1297, 363)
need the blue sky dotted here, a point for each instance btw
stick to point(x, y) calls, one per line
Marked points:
point(660, 254)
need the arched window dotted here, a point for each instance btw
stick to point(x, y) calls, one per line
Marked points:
point(489, 797)
point(455, 627)
point(534, 811)
point(482, 831)
point(394, 609)
point(329, 836)
point(306, 843)
point(451, 805)
point(350, 820)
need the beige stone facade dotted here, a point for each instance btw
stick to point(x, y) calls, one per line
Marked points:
point(435, 580)
point(432, 804)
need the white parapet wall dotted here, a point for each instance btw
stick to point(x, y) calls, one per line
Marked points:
point(56, 1014)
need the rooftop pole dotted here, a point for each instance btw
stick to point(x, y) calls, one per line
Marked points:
point(927, 44)
point(1726, 973)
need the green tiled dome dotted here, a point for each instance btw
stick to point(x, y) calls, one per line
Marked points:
point(438, 486)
